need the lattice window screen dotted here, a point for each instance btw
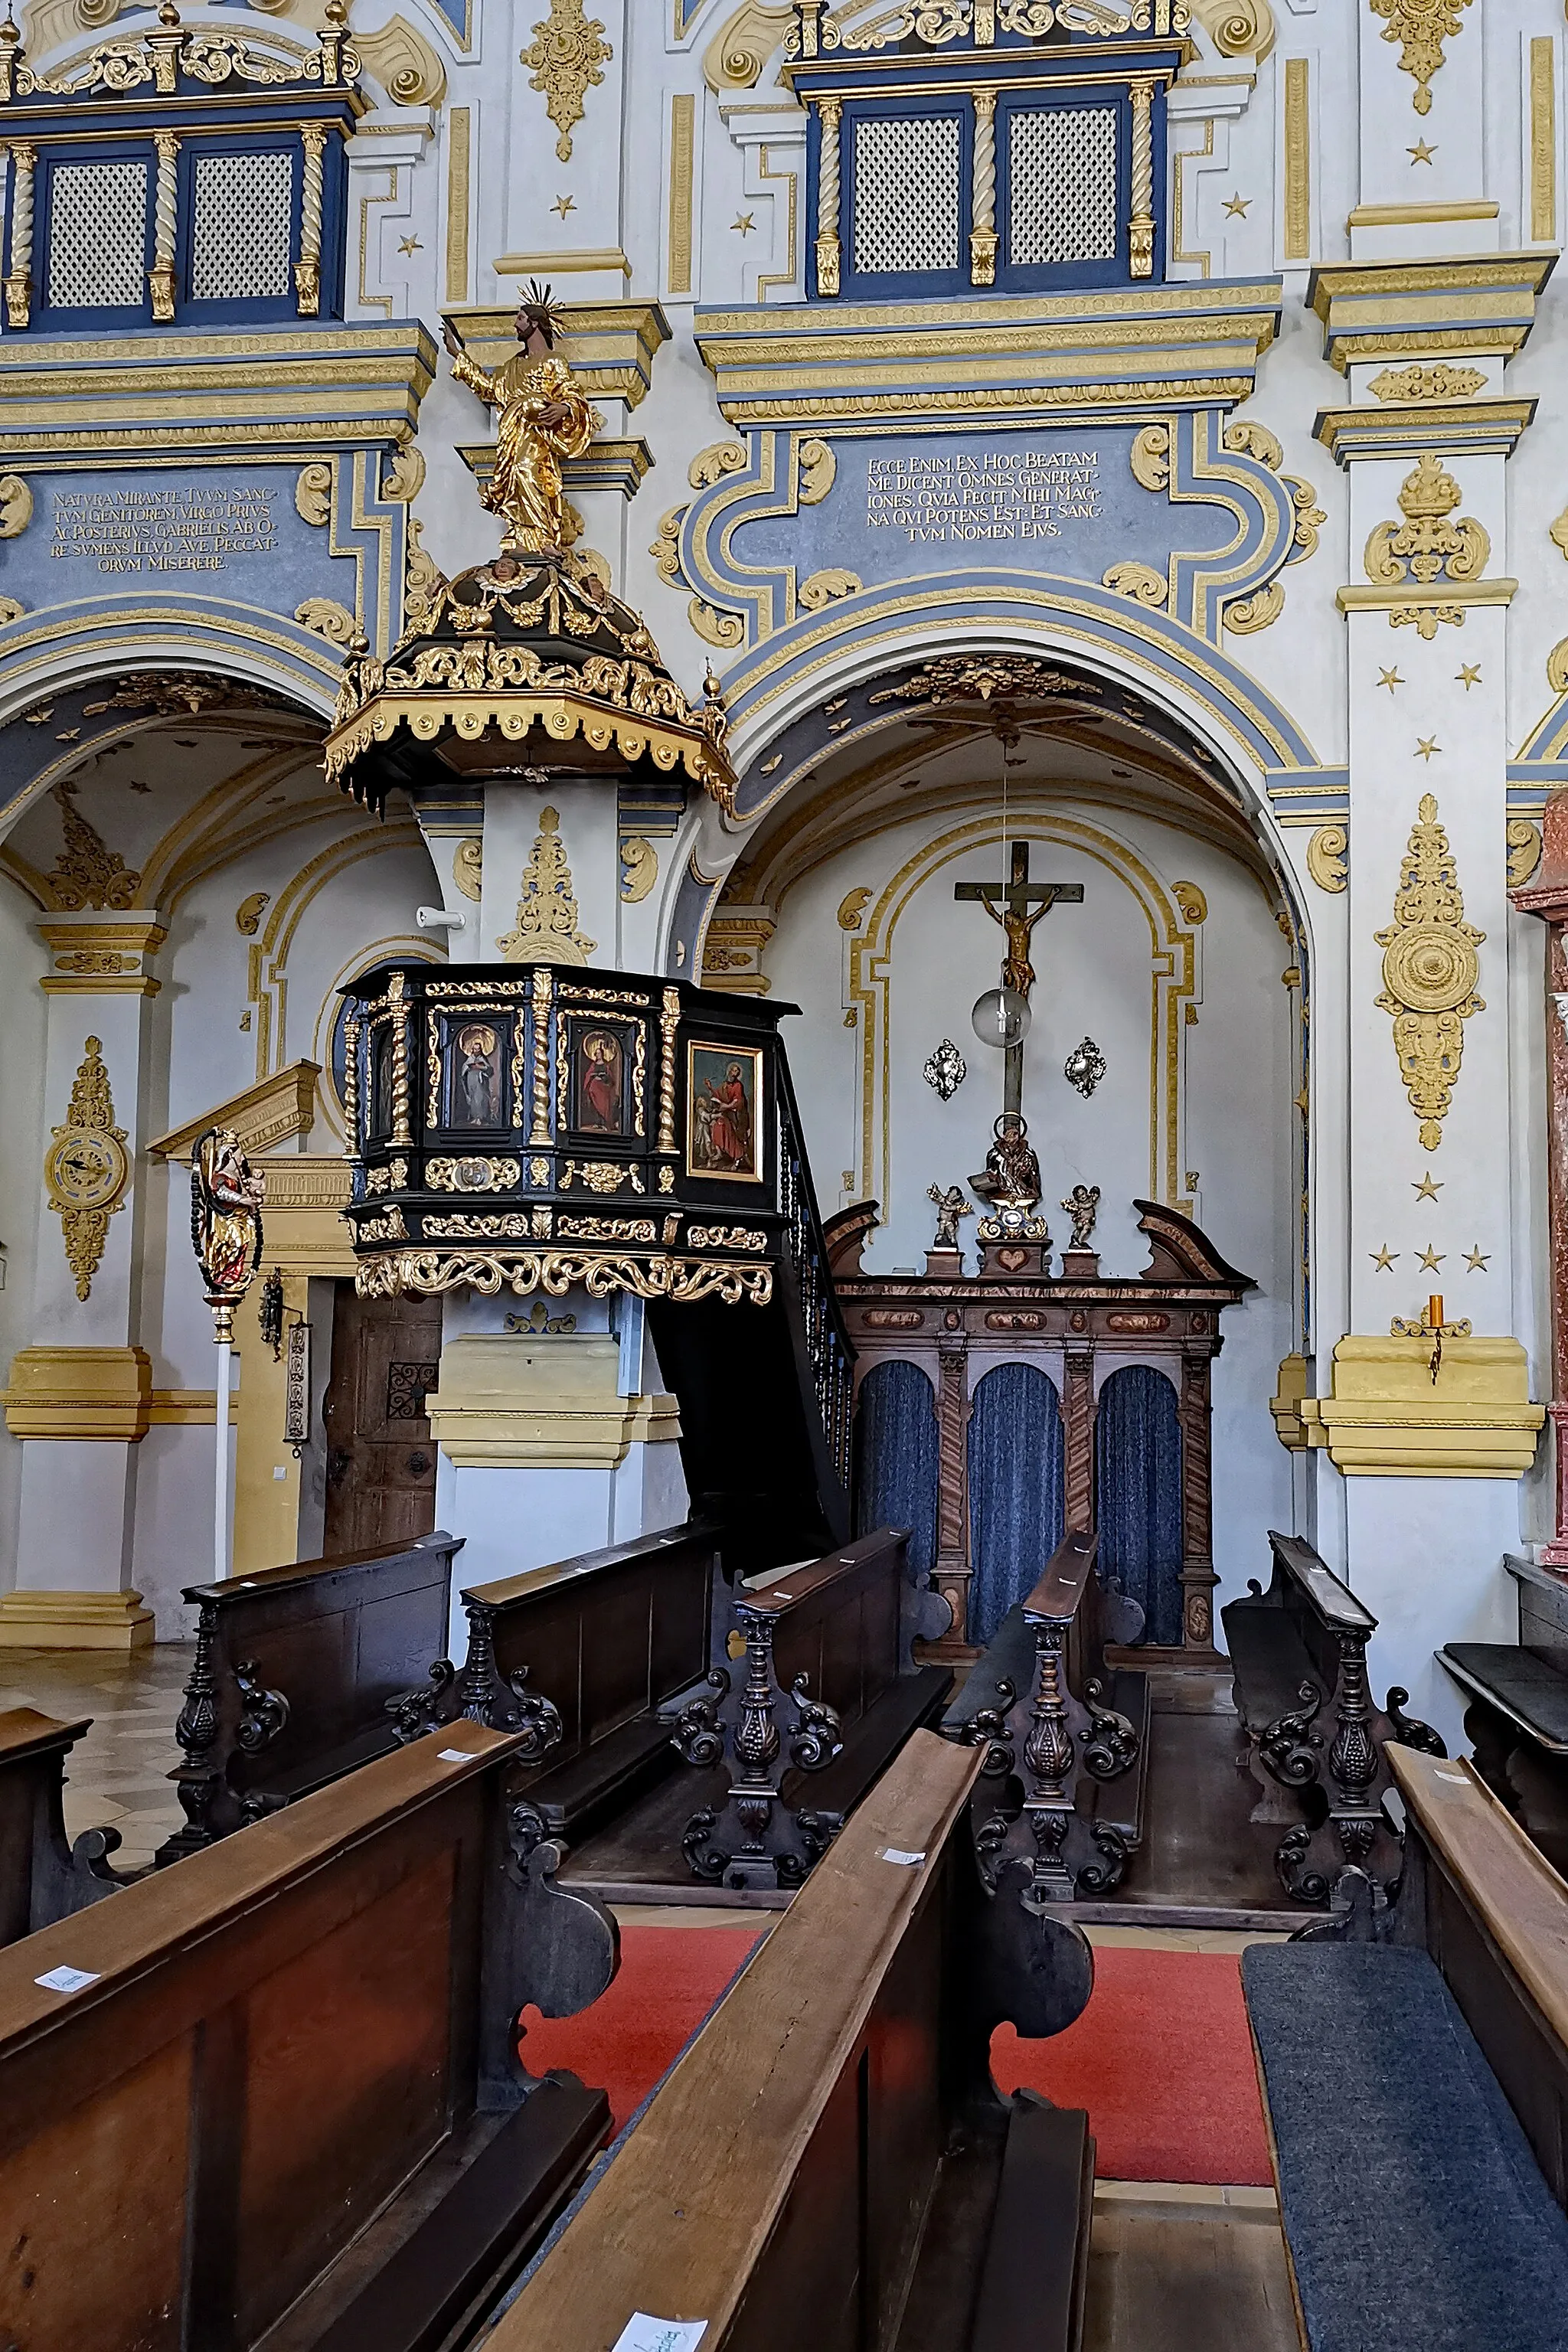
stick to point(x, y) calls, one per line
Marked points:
point(906, 192)
point(98, 236)
point(1061, 184)
point(241, 225)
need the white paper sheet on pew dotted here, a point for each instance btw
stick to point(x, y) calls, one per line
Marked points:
point(455, 1754)
point(642, 2333)
point(896, 1854)
point(63, 1980)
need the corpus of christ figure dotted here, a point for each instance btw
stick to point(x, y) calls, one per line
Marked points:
point(1018, 906)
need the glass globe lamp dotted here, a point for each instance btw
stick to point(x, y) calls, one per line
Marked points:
point(1001, 1018)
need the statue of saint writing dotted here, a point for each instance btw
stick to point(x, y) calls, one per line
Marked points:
point(543, 419)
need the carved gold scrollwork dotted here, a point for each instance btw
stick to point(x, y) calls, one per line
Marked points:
point(566, 59)
point(87, 1169)
point(1438, 381)
point(1238, 28)
point(1248, 439)
point(1328, 858)
point(715, 629)
point(1557, 667)
point(313, 494)
point(639, 867)
point(16, 506)
point(546, 928)
point(666, 548)
point(1429, 972)
point(1426, 548)
point(1309, 518)
point(1150, 457)
point(824, 588)
point(1421, 27)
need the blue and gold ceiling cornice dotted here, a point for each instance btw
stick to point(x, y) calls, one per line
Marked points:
point(861, 35)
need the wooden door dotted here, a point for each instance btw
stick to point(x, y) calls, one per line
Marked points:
point(381, 1457)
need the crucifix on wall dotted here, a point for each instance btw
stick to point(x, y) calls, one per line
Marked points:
point(1017, 904)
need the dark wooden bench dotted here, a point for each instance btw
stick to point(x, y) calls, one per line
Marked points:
point(1066, 1734)
point(830, 1681)
point(1312, 1739)
point(273, 2096)
point(829, 2164)
point(44, 1874)
point(1413, 2061)
point(1516, 1715)
point(296, 1673)
point(586, 1658)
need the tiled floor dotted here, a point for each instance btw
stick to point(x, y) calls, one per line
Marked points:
point(116, 1776)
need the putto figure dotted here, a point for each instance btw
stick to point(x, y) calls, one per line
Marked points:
point(1082, 1205)
point(543, 419)
point(951, 1206)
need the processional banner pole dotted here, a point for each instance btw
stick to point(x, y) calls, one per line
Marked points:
point(226, 1233)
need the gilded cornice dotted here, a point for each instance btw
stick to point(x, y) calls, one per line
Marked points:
point(1405, 309)
point(610, 347)
point(1468, 427)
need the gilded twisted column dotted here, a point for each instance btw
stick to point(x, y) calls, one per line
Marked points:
point(827, 250)
point(165, 210)
point(396, 997)
point(19, 277)
point(983, 186)
point(307, 268)
point(1141, 227)
point(539, 1129)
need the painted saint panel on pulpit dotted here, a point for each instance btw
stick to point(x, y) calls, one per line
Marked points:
point(723, 1135)
point(602, 1099)
point(475, 1058)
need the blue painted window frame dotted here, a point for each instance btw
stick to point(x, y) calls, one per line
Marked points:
point(243, 310)
point(1115, 269)
point(938, 285)
point(899, 285)
point(85, 316)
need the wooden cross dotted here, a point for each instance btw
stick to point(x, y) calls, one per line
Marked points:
point(1017, 904)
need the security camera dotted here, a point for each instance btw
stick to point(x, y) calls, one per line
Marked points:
point(437, 918)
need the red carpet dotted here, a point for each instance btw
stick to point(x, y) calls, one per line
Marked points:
point(1160, 2057)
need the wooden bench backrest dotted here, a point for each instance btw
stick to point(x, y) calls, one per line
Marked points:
point(609, 1636)
point(282, 2027)
point(337, 1637)
point(36, 1881)
point(1321, 1604)
point(837, 1621)
point(777, 2184)
point(1496, 1922)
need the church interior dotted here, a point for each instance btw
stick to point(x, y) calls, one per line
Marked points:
point(784, 898)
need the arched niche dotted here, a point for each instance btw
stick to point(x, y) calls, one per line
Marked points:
point(896, 1465)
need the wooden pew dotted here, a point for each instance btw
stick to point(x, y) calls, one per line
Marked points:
point(586, 1658)
point(829, 2165)
point(274, 2095)
point(1516, 1713)
point(44, 1874)
point(1065, 1736)
point(1297, 1653)
point(1413, 2062)
point(295, 1672)
point(829, 1670)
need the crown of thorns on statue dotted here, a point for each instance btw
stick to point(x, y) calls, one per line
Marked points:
point(538, 310)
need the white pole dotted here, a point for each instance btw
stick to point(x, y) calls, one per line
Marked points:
point(220, 1482)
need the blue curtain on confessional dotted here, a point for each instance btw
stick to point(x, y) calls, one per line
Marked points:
point(896, 1458)
point(1015, 1502)
point(1138, 1452)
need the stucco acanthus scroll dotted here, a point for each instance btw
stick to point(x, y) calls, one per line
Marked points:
point(1429, 972)
point(1248, 615)
point(711, 465)
point(16, 506)
point(1238, 28)
point(715, 627)
point(546, 926)
point(332, 621)
point(736, 55)
point(666, 548)
point(1328, 858)
point(1150, 457)
point(818, 472)
point(405, 476)
point(1437, 382)
point(1139, 581)
point(403, 61)
point(87, 873)
point(639, 867)
point(10, 610)
point(824, 588)
point(313, 494)
point(1523, 840)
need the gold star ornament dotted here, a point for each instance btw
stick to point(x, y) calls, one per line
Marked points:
point(1430, 1258)
point(1469, 674)
point(564, 204)
point(1428, 1188)
point(1390, 678)
point(1237, 207)
point(745, 222)
point(409, 245)
point(1383, 1258)
point(1425, 745)
point(1421, 152)
point(1477, 1260)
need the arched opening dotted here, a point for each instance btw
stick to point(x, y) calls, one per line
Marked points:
point(1138, 1480)
point(1015, 1489)
point(896, 1458)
